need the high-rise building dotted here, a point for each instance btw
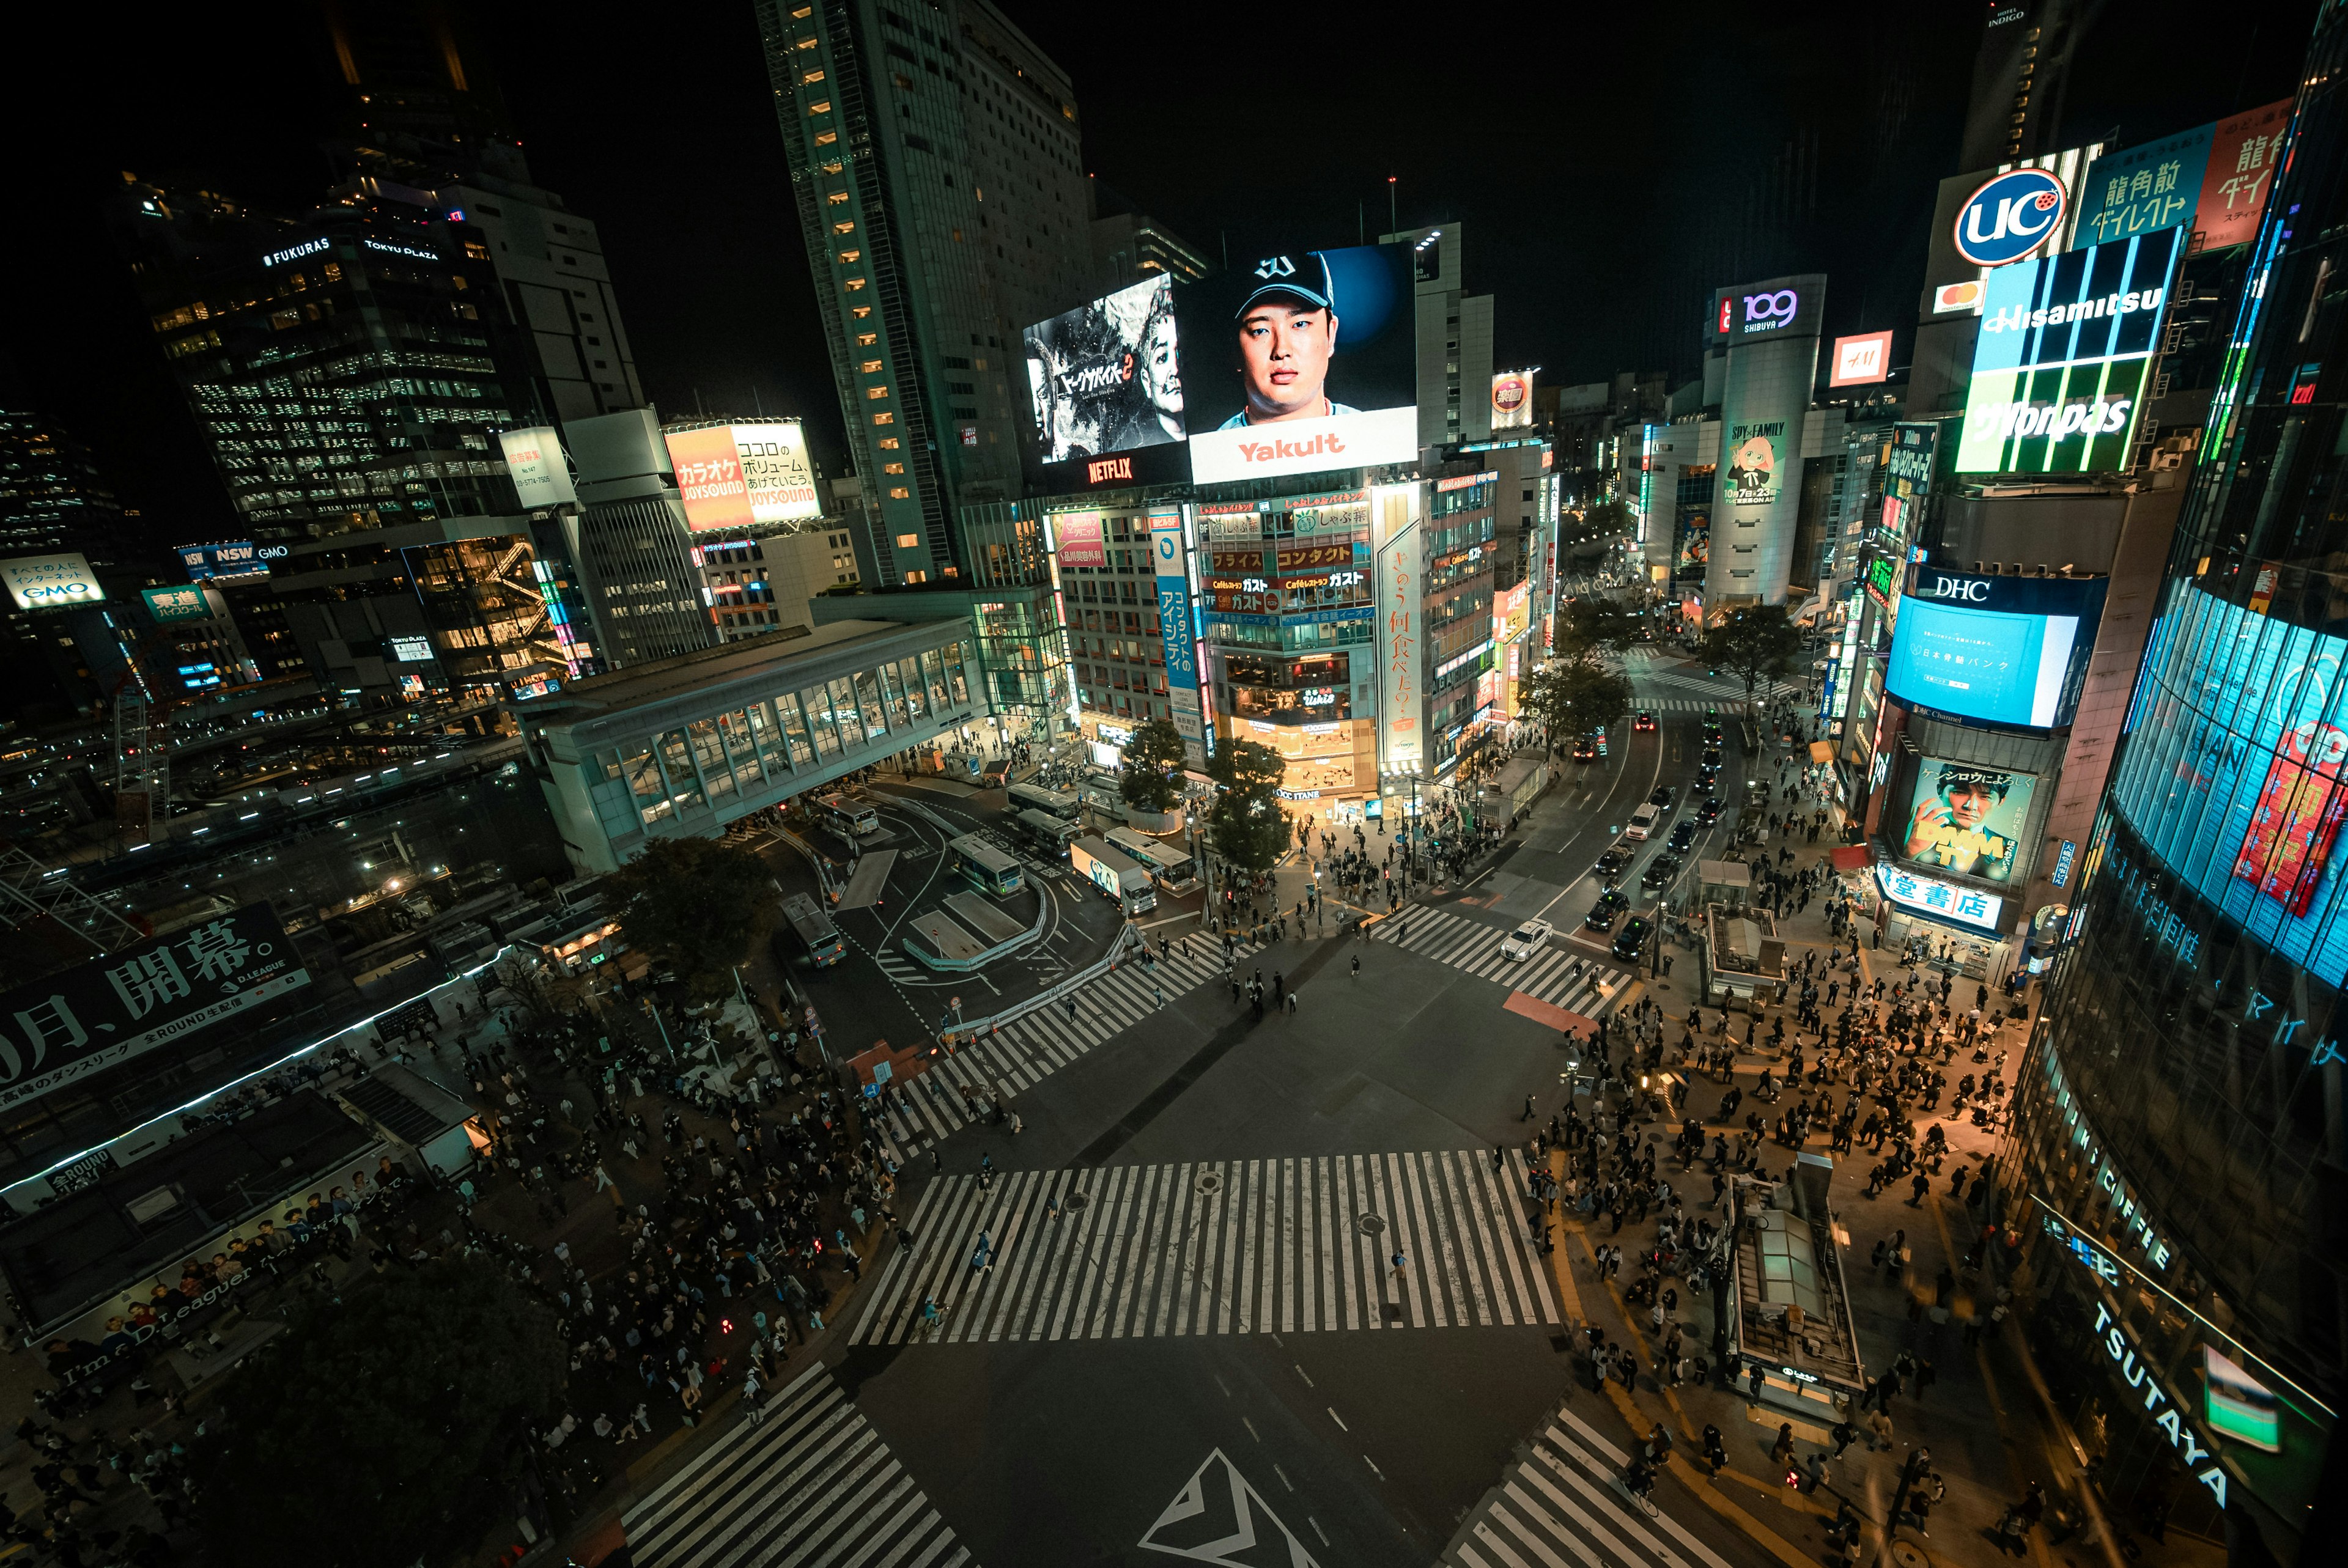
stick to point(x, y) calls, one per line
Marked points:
point(1454, 338)
point(2178, 1174)
point(2023, 64)
point(1131, 247)
point(934, 154)
point(52, 496)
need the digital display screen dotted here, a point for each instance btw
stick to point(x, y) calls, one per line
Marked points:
point(1105, 379)
point(1993, 651)
point(1967, 818)
point(2233, 769)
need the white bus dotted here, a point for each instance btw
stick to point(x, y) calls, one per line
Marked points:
point(1047, 831)
point(1169, 865)
point(989, 869)
point(855, 816)
point(1050, 801)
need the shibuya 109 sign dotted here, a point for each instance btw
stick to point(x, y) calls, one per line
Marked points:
point(125, 1004)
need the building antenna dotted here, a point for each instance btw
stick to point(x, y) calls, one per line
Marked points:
point(1394, 223)
point(756, 403)
point(1225, 236)
point(1361, 222)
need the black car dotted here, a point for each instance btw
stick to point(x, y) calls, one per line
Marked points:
point(1585, 750)
point(1708, 809)
point(1632, 939)
point(1711, 757)
point(1603, 914)
point(1683, 837)
point(1663, 796)
point(1659, 871)
point(1610, 867)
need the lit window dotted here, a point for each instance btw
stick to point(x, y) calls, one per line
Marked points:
point(884, 419)
point(837, 197)
point(845, 227)
point(876, 393)
point(831, 168)
point(860, 312)
point(889, 442)
point(811, 76)
point(871, 367)
point(827, 139)
point(898, 493)
point(854, 284)
point(907, 541)
point(822, 107)
point(849, 258)
point(866, 340)
point(892, 467)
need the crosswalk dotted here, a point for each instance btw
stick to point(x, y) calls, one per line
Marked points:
point(1561, 1505)
point(1722, 705)
point(1722, 693)
point(1574, 981)
point(1030, 1049)
point(1237, 1247)
point(812, 1482)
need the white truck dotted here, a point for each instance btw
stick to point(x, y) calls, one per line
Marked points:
point(1116, 877)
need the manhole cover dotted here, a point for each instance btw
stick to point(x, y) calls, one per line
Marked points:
point(1211, 1183)
point(1075, 1201)
point(1370, 1225)
point(1908, 1554)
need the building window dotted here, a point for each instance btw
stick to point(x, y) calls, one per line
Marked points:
point(875, 394)
point(827, 139)
point(908, 541)
point(849, 258)
point(811, 76)
point(846, 225)
point(871, 367)
point(898, 493)
point(823, 107)
point(884, 419)
point(854, 284)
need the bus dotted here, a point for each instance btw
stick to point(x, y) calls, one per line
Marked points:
point(1050, 801)
point(1046, 832)
point(856, 815)
point(989, 869)
point(813, 928)
point(1168, 865)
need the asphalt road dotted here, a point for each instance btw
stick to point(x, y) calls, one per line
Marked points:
point(1170, 1323)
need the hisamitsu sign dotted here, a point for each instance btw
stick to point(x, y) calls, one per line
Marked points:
point(126, 1004)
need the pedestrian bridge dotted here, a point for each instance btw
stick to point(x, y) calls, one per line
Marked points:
point(683, 746)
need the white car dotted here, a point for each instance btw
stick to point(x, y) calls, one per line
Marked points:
point(1525, 940)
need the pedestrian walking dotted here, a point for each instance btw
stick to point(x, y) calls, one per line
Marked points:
point(1529, 1109)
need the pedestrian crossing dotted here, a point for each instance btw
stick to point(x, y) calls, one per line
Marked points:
point(1556, 974)
point(1031, 1048)
point(812, 1482)
point(1239, 1246)
point(1561, 1504)
point(1721, 693)
point(1722, 705)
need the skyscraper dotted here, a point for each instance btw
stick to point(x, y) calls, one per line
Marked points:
point(935, 156)
point(52, 496)
point(2178, 1174)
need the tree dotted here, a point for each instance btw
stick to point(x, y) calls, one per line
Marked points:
point(1756, 642)
point(386, 1426)
point(1153, 757)
point(1247, 827)
point(1576, 696)
point(1590, 622)
point(1610, 515)
point(691, 903)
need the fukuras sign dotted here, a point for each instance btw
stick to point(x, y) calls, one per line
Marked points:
point(125, 1004)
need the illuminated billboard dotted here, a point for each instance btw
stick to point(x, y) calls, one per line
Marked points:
point(1967, 818)
point(731, 476)
point(1300, 362)
point(1938, 899)
point(236, 558)
point(59, 582)
point(2213, 179)
point(2062, 361)
point(1105, 389)
point(1993, 650)
point(1512, 399)
point(1779, 307)
point(169, 605)
point(534, 460)
point(1860, 361)
point(1078, 538)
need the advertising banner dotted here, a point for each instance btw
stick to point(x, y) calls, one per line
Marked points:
point(1966, 818)
point(1171, 558)
point(541, 474)
point(2244, 153)
point(2140, 190)
point(233, 558)
point(171, 605)
point(126, 1004)
point(1695, 540)
point(732, 476)
point(1931, 896)
point(1779, 307)
point(1993, 650)
point(59, 582)
point(1984, 220)
point(2065, 353)
point(1512, 400)
point(1862, 361)
point(1104, 378)
point(1076, 538)
point(1300, 362)
point(1400, 541)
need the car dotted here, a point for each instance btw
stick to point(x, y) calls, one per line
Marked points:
point(1659, 871)
point(1712, 731)
point(1663, 796)
point(1603, 914)
point(1525, 940)
point(1632, 939)
point(1683, 837)
point(1585, 750)
point(1642, 720)
point(1711, 757)
point(1611, 865)
point(1708, 810)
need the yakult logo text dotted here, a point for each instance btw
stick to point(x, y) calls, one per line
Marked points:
point(1273, 451)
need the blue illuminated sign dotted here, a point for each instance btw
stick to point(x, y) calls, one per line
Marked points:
point(1991, 649)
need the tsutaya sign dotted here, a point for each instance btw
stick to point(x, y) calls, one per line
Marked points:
point(2192, 1447)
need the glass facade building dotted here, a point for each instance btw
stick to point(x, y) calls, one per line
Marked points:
point(2177, 1176)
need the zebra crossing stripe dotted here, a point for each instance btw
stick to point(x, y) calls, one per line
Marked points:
point(813, 1482)
point(1555, 975)
point(1560, 1505)
point(1243, 1246)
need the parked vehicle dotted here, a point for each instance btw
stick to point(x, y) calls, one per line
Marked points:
point(1116, 877)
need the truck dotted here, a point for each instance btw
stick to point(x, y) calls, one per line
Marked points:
point(1116, 877)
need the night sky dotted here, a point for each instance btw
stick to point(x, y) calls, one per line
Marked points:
point(1611, 166)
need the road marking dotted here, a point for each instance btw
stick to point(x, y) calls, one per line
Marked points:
point(1218, 1517)
point(1339, 1420)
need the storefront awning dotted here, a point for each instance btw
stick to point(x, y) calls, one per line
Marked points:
point(1850, 857)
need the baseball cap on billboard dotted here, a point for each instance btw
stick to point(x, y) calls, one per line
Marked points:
point(1304, 277)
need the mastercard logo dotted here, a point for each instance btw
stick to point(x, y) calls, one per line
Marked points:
point(1957, 297)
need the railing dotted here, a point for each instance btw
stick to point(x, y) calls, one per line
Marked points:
point(977, 1029)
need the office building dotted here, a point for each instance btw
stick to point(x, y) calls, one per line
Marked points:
point(2173, 1178)
point(934, 153)
point(1454, 338)
point(2020, 71)
point(634, 552)
point(1130, 246)
point(52, 496)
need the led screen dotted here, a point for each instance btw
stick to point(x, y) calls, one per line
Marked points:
point(1967, 818)
point(1993, 651)
point(1300, 362)
point(2232, 771)
point(1104, 382)
point(2059, 369)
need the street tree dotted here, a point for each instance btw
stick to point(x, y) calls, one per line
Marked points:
point(693, 905)
point(1591, 623)
point(1154, 758)
point(1246, 823)
point(1576, 696)
point(388, 1425)
point(1758, 642)
point(1609, 515)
